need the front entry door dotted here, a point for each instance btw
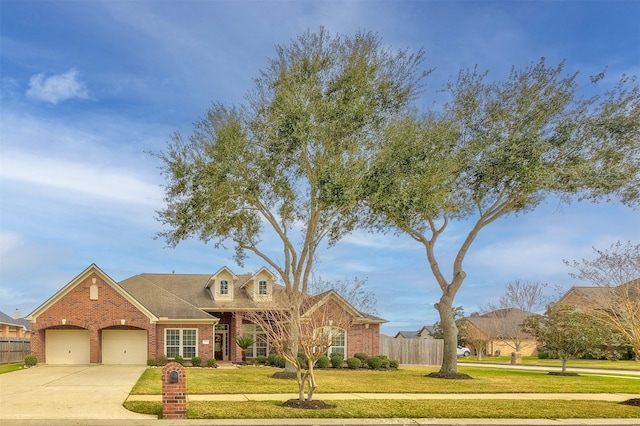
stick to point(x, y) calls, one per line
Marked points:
point(221, 342)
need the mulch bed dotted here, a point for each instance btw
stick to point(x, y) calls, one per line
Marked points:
point(635, 402)
point(307, 405)
point(449, 376)
point(559, 373)
point(284, 375)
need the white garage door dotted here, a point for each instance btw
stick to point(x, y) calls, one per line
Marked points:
point(124, 347)
point(67, 346)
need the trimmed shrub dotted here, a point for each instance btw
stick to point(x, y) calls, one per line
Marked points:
point(271, 359)
point(261, 359)
point(362, 357)
point(179, 359)
point(543, 355)
point(354, 363)
point(394, 363)
point(374, 362)
point(30, 360)
point(385, 363)
point(337, 360)
point(196, 361)
point(161, 360)
point(211, 362)
point(151, 362)
point(323, 362)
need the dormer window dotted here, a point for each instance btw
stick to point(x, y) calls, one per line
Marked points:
point(262, 288)
point(224, 287)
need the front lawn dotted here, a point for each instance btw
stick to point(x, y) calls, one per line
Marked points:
point(529, 409)
point(403, 380)
point(556, 363)
point(8, 368)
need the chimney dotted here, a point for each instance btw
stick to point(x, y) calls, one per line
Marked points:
point(16, 314)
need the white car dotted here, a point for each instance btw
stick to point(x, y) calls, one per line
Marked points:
point(462, 351)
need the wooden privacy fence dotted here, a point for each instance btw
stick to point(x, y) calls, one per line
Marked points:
point(14, 349)
point(413, 351)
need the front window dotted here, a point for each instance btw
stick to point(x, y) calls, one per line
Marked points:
point(338, 341)
point(181, 342)
point(260, 345)
point(262, 288)
point(224, 287)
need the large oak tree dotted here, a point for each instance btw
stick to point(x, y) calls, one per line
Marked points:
point(287, 166)
point(500, 148)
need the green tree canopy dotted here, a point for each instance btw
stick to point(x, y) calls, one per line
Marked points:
point(498, 148)
point(565, 332)
point(289, 164)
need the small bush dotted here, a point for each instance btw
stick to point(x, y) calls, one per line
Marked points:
point(161, 360)
point(362, 357)
point(196, 361)
point(30, 360)
point(337, 360)
point(179, 359)
point(394, 363)
point(543, 355)
point(271, 359)
point(151, 362)
point(211, 362)
point(261, 359)
point(374, 362)
point(354, 363)
point(323, 362)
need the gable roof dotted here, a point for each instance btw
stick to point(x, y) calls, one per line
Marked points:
point(189, 294)
point(18, 322)
point(93, 268)
point(315, 301)
point(415, 334)
point(489, 323)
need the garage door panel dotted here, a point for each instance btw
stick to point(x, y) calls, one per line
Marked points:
point(124, 347)
point(67, 347)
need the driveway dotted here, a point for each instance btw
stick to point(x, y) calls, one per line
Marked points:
point(69, 392)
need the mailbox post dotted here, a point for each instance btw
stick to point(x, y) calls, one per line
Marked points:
point(174, 391)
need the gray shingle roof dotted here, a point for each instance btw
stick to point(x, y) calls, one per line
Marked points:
point(20, 322)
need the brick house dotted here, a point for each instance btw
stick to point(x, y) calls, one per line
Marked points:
point(95, 320)
point(500, 329)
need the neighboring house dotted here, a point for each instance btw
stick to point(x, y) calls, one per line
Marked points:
point(93, 319)
point(425, 332)
point(500, 329)
point(14, 327)
point(601, 297)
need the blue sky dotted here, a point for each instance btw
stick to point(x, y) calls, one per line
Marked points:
point(88, 88)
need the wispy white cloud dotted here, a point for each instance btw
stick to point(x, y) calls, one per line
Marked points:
point(88, 179)
point(57, 88)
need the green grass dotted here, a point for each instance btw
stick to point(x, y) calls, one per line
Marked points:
point(547, 409)
point(8, 368)
point(572, 363)
point(404, 380)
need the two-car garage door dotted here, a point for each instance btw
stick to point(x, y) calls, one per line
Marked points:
point(118, 347)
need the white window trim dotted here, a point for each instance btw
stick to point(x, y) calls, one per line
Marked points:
point(181, 342)
point(331, 348)
point(254, 335)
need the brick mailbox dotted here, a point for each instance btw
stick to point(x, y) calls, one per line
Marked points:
point(174, 391)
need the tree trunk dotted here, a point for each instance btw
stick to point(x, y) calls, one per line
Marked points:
point(450, 331)
point(564, 365)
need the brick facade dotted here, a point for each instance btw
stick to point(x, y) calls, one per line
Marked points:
point(95, 303)
point(77, 310)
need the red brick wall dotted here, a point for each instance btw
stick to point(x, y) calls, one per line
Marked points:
point(80, 311)
point(174, 394)
point(205, 332)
